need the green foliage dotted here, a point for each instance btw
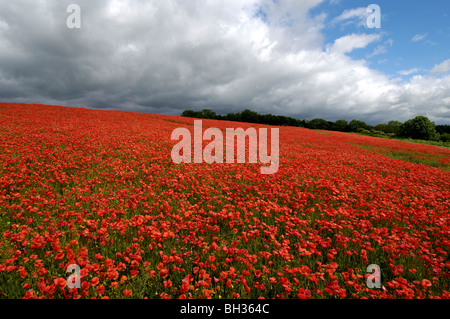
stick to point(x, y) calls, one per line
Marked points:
point(419, 127)
point(248, 116)
point(318, 124)
point(445, 137)
point(442, 129)
point(355, 125)
point(189, 113)
point(382, 128)
point(203, 114)
point(340, 125)
point(394, 127)
point(208, 114)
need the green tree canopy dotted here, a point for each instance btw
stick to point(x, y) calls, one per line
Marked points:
point(419, 127)
point(394, 126)
point(189, 113)
point(356, 125)
point(249, 116)
point(340, 125)
point(208, 114)
point(318, 124)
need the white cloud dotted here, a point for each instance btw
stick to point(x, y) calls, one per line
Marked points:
point(381, 49)
point(348, 43)
point(444, 67)
point(419, 37)
point(3, 26)
point(356, 16)
point(408, 72)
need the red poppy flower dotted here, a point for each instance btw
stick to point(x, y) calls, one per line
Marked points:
point(127, 292)
point(95, 281)
point(98, 190)
point(60, 282)
point(303, 293)
point(426, 283)
point(164, 272)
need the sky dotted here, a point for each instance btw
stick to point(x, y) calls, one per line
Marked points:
point(305, 59)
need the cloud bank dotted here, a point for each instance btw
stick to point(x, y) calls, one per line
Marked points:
point(168, 56)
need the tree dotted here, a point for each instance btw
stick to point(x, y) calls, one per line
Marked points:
point(208, 114)
point(318, 124)
point(189, 113)
point(249, 116)
point(445, 137)
point(340, 125)
point(442, 129)
point(419, 127)
point(383, 128)
point(232, 117)
point(356, 126)
point(394, 127)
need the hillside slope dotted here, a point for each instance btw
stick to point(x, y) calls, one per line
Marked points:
point(98, 189)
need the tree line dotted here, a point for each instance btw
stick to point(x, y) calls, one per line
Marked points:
point(419, 127)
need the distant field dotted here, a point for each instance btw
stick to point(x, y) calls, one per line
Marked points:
point(414, 141)
point(98, 189)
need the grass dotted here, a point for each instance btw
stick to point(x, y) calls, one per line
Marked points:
point(434, 143)
point(407, 140)
point(428, 159)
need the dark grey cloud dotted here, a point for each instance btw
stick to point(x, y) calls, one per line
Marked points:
point(166, 56)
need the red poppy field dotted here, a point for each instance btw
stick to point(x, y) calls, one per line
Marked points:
point(99, 189)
